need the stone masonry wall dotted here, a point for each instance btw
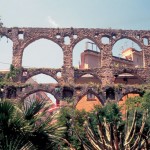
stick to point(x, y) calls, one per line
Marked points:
point(105, 73)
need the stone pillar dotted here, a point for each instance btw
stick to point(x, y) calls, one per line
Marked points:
point(17, 58)
point(107, 76)
point(106, 56)
point(68, 70)
point(106, 60)
point(146, 53)
point(17, 51)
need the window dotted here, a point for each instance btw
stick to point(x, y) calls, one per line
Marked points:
point(90, 96)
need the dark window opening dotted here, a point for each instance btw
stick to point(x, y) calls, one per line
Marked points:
point(9, 31)
point(67, 93)
point(110, 94)
point(11, 92)
point(125, 79)
point(90, 96)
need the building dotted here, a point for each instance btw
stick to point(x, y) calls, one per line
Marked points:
point(92, 59)
point(130, 57)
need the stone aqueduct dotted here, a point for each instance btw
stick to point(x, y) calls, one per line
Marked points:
point(105, 74)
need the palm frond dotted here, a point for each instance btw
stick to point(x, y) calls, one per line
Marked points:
point(15, 143)
point(32, 107)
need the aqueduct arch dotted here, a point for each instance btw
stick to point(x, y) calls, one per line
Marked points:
point(76, 50)
point(49, 88)
point(85, 92)
point(28, 73)
point(45, 52)
point(32, 34)
point(132, 38)
point(22, 37)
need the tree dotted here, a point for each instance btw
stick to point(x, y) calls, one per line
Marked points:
point(108, 134)
point(146, 101)
point(73, 120)
point(141, 104)
point(27, 125)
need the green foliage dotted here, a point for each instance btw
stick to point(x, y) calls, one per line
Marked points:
point(141, 104)
point(134, 103)
point(110, 111)
point(146, 101)
point(108, 135)
point(73, 120)
point(104, 128)
point(13, 73)
point(28, 126)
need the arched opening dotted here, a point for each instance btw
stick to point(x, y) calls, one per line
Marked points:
point(41, 95)
point(86, 54)
point(88, 102)
point(6, 53)
point(127, 53)
point(145, 41)
point(41, 79)
point(42, 53)
point(88, 79)
point(127, 78)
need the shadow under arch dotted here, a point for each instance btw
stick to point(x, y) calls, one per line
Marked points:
point(88, 101)
point(127, 78)
point(88, 78)
point(130, 94)
point(42, 51)
point(84, 93)
point(77, 50)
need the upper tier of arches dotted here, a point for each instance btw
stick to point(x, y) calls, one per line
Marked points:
point(23, 37)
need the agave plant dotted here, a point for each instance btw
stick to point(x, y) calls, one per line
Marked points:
point(108, 136)
point(28, 126)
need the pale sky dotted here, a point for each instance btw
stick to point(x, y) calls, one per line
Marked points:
point(125, 14)
point(115, 14)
